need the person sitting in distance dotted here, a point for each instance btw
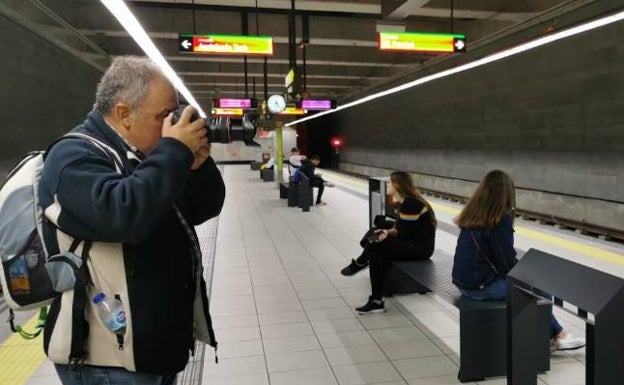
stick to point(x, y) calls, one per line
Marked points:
point(294, 162)
point(411, 239)
point(316, 180)
point(295, 157)
point(485, 249)
point(269, 164)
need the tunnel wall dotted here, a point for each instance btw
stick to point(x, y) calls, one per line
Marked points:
point(44, 92)
point(552, 117)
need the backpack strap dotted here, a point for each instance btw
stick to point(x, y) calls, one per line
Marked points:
point(80, 326)
point(108, 151)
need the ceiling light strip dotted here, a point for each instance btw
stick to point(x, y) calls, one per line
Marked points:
point(477, 63)
point(125, 17)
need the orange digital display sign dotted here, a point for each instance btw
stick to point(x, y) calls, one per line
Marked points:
point(227, 112)
point(225, 44)
point(426, 42)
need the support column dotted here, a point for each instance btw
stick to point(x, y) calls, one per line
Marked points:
point(279, 157)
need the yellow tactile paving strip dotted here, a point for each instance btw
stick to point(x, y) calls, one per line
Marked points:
point(20, 358)
point(554, 240)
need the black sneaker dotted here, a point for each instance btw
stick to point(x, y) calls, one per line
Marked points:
point(352, 268)
point(321, 203)
point(373, 306)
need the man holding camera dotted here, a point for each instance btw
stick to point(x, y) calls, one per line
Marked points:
point(134, 199)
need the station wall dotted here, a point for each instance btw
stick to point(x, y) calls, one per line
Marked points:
point(552, 117)
point(44, 92)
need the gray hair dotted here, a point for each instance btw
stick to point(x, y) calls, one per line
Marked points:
point(127, 80)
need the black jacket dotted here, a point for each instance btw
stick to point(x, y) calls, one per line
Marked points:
point(141, 249)
point(307, 168)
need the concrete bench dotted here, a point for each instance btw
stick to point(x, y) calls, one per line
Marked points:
point(289, 191)
point(482, 324)
point(267, 175)
point(298, 195)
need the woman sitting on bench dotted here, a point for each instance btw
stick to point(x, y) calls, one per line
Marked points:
point(411, 239)
point(485, 249)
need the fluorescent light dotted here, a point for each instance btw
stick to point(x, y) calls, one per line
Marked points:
point(125, 17)
point(477, 63)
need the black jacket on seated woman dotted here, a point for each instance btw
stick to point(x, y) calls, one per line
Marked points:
point(411, 239)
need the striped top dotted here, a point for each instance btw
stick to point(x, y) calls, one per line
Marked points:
point(414, 221)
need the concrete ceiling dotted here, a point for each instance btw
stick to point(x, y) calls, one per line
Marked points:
point(341, 57)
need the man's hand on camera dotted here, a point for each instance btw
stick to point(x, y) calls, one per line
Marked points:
point(191, 134)
point(200, 156)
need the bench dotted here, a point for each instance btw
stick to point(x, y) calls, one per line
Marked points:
point(482, 324)
point(298, 195)
point(289, 191)
point(267, 175)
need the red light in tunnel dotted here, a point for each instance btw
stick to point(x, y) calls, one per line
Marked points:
point(336, 142)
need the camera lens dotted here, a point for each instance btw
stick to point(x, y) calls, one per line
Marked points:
point(220, 129)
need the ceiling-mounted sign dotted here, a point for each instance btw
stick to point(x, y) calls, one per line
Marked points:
point(293, 82)
point(293, 111)
point(426, 42)
point(227, 112)
point(234, 103)
point(225, 44)
point(318, 104)
point(290, 78)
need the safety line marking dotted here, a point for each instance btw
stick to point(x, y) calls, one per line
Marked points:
point(346, 179)
point(20, 358)
point(567, 244)
point(572, 245)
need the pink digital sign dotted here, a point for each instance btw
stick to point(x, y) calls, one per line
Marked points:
point(234, 103)
point(316, 104)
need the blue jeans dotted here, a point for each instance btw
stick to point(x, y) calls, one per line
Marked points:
point(497, 291)
point(102, 375)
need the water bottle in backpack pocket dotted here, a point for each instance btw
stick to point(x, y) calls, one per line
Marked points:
point(19, 281)
point(113, 315)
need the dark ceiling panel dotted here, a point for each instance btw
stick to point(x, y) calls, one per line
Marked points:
point(342, 51)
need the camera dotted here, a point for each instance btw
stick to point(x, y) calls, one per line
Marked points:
point(224, 129)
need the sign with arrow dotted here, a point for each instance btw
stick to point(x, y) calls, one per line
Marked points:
point(186, 44)
point(422, 42)
point(225, 44)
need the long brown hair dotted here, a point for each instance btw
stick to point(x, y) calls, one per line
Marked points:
point(404, 186)
point(495, 197)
